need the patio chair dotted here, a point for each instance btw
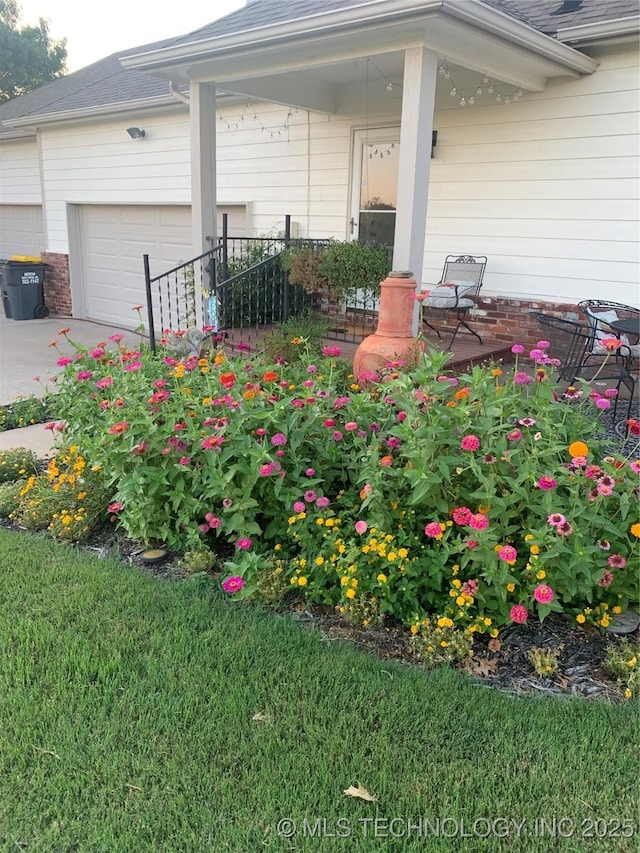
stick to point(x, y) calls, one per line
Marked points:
point(570, 342)
point(455, 293)
point(598, 314)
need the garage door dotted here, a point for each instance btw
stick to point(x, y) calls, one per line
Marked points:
point(21, 230)
point(114, 240)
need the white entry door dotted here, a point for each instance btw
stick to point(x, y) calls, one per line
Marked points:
point(375, 185)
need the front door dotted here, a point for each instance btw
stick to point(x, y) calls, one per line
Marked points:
point(375, 186)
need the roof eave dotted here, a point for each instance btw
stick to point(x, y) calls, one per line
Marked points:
point(472, 12)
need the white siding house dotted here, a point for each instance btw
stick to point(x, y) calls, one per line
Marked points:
point(546, 186)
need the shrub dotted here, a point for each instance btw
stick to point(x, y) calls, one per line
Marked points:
point(25, 411)
point(17, 463)
point(9, 497)
point(68, 500)
point(623, 661)
point(484, 498)
point(354, 268)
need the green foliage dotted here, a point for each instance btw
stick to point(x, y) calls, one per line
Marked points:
point(306, 331)
point(303, 266)
point(623, 661)
point(354, 268)
point(482, 498)
point(439, 642)
point(28, 55)
point(9, 496)
point(68, 500)
point(17, 463)
point(25, 411)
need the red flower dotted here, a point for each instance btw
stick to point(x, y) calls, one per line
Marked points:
point(119, 428)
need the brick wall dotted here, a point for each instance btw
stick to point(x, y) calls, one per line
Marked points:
point(57, 287)
point(508, 320)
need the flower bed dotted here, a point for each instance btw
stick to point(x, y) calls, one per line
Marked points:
point(443, 503)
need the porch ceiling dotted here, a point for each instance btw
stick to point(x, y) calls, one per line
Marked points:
point(309, 67)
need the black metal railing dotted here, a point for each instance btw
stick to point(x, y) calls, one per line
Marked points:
point(240, 284)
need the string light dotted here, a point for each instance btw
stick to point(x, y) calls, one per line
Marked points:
point(249, 113)
point(508, 94)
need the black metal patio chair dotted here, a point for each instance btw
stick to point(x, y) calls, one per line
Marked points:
point(456, 293)
point(599, 314)
point(570, 342)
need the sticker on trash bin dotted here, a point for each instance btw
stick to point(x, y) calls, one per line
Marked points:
point(30, 278)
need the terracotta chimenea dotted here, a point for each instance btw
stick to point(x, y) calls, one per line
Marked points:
point(393, 339)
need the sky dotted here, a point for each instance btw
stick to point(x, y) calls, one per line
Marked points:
point(95, 30)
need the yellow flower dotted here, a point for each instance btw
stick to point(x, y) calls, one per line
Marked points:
point(541, 575)
point(381, 578)
point(354, 583)
point(535, 549)
point(457, 583)
point(350, 593)
point(445, 622)
point(528, 537)
point(402, 553)
point(414, 629)
point(277, 546)
point(633, 661)
point(320, 521)
point(302, 581)
point(319, 561)
point(391, 556)
point(605, 621)
point(616, 609)
point(487, 622)
point(578, 448)
point(635, 530)
point(628, 694)
point(460, 600)
point(344, 580)
point(580, 618)
point(511, 587)
point(302, 562)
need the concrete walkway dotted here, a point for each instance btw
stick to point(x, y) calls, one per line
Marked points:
point(27, 361)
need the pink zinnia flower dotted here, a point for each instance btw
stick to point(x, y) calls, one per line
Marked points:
point(116, 506)
point(603, 404)
point(337, 435)
point(514, 435)
point(351, 426)
point(84, 375)
point(462, 515)
point(556, 519)
point(546, 483)
point(106, 382)
point(521, 378)
point(98, 352)
point(479, 521)
point(184, 460)
point(616, 561)
point(243, 544)
point(433, 529)
point(212, 520)
point(329, 422)
point(140, 448)
point(472, 543)
point(118, 428)
point(361, 527)
point(299, 506)
point(517, 349)
point(519, 614)
point(564, 529)
point(527, 422)
point(543, 593)
point(279, 439)
point(606, 579)
point(470, 442)
point(310, 496)
point(322, 502)
point(543, 344)
point(233, 584)
point(63, 361)
point(116, 338)
point(331, 351)
point(267, 469)
point(310, 472)
point(635, 466)
point(508, 553)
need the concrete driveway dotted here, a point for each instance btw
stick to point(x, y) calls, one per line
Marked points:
point(25, 352)
point(27, 361)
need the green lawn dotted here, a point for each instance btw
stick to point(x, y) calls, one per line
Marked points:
point(127, 710)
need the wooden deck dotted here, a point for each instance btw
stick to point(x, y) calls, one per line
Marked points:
point(466, 351)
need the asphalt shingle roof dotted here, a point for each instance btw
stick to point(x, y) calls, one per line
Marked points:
point(107, 82)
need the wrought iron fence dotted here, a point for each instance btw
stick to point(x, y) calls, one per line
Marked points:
point(239, 287)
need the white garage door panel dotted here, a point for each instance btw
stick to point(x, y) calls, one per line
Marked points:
point(114, 240)
point(21, 230)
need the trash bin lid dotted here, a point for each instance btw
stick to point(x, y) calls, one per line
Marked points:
point(29, 259)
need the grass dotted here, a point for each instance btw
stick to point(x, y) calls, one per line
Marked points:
point(128, 709)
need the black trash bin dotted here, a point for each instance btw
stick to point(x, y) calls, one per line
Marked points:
point(6, 304)
point(22, 281)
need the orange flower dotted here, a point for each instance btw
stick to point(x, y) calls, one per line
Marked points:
point(270, 376)
point(578, 448)
point(461, 393)
point(64, 331)
point(386, 461)
point(227, 380)
point(611, 344)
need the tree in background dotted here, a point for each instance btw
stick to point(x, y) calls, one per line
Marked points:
point(28, 55)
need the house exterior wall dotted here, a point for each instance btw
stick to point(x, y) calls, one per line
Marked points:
point(20, 172)
point(546, 187)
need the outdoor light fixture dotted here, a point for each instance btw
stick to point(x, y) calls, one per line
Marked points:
point(135, 132)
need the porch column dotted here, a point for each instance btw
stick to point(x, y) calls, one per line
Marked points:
point(202, 112)
point(418, 101)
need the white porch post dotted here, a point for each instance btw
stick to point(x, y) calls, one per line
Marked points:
point(202, 111)
point(418, 100)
